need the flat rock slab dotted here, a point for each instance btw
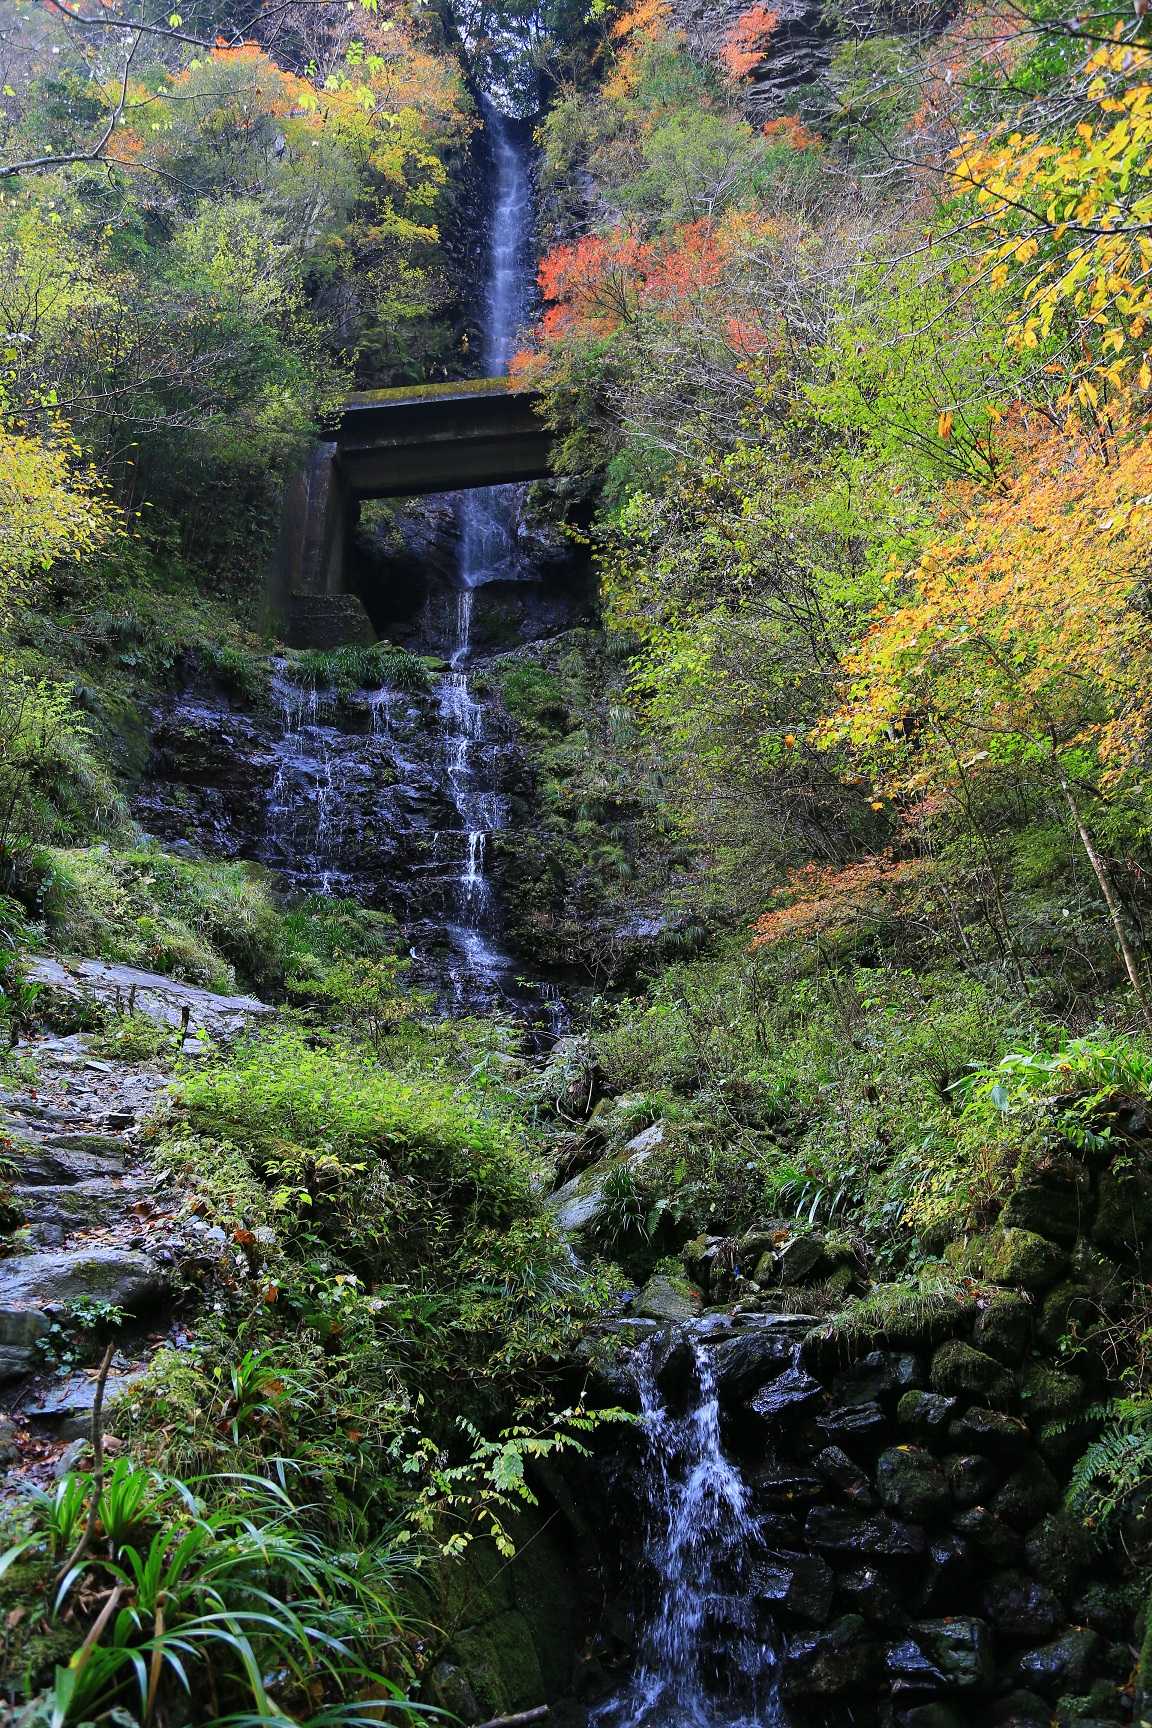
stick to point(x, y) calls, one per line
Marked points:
point(31, 1282)
point(67, 1404)
point(162, 999)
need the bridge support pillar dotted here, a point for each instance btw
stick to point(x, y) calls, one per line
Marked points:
point(309, 604)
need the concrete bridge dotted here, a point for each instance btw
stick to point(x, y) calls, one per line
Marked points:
point(397, 444)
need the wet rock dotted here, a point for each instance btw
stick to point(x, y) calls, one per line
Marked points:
point(910, 1669)
point(49, 1165)
point(66, 1405)
point(972, 1478)
point(982, 1430)
point(961, 1648)
point(47, 1280)
point(1059, 1551)
point(875, 1376)
point(1021, 1608)
point(791, 1393)
point(667, 1299)
point(867, 1590)
point(946, 1575)
point(743, 1362)
point(911, 1484)
point(778, 1487)
point(924, 1412)
point(9, 1441)
point(1004, 1326)
point(1062, 1666)
point(1029, 1492)
point(993, 1541)
point(839, 1530)
point(846, 1659)
point(837, 1469)
point(55, 1211)
point(798, 1584)
point(959, 1369)
point(854, 1422)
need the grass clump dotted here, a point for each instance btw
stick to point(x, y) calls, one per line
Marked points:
point(359, 666)
point(222, 1588)
point(203, 922)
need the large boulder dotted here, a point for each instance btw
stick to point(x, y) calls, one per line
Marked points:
point(959, 1369)
point(1062, 1666)
point(33, 1285)
point(115, 1275)
point(1021, 1608)
point(583, 1201)
point(960, 1648)
point(1019, 1258)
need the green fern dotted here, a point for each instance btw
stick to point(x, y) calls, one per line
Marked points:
point(1116, 1466)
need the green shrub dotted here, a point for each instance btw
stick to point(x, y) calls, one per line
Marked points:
point(204, 922)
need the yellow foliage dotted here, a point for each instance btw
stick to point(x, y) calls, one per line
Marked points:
point(1070, 218)
point(52, 507)
point(1023, 629)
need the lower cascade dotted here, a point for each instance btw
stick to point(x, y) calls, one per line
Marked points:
point(703, 1661)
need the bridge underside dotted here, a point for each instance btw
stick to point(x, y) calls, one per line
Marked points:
point(400, 444)
point(396, 445)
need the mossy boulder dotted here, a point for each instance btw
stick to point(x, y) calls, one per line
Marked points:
point(1018, 1258)
point(1123, 1213)
point(911, 1483)
point(1051, 1394)
point(959, 1369)
point(1059, 1551)
point(498, 1662)
point(1029, 1492)
point(1004, 1326)
point(924, 1412)
point(667, 1298)
point(1057, 1212)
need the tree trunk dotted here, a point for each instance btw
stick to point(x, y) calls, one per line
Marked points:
point(1111, 900)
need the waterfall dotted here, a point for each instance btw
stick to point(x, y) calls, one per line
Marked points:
point(701, 1661)
point(298, 818)
point(486, 519)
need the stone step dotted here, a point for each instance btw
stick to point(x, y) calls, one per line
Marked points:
point(33, 1285)
point(53, 1211)
point(65, 1406)
point(43, 1166)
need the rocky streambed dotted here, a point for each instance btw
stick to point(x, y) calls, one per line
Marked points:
point(863, 1517)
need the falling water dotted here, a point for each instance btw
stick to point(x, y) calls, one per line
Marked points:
point(298, 818)
point(487, 523)
point(702, 1663)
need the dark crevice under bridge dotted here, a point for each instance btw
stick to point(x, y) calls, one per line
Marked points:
point(399, 444)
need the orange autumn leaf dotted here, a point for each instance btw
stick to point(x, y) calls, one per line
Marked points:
point(747, 40)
